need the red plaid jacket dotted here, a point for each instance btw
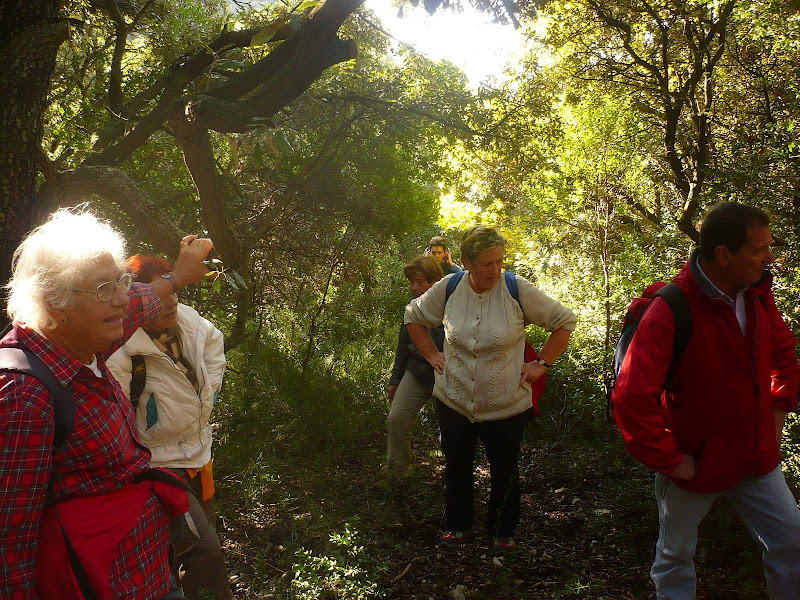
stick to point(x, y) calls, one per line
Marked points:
point(102, 454)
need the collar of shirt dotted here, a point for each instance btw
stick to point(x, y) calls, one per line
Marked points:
point(65, 366)
point(712, 291)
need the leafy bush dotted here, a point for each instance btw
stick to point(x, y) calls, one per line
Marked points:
point(343, 571)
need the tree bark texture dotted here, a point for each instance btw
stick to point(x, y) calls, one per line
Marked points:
point(30, 35)
point(74, 186)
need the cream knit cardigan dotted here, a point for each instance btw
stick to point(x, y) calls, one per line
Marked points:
point(485, 342)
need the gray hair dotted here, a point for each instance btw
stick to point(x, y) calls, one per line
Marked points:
point(53, 258)
point(480, 238)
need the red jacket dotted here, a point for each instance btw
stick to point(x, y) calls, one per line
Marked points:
point(725, 387)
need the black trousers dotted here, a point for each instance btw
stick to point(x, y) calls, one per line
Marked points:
point(502, 440)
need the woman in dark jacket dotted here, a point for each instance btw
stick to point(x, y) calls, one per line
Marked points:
point(411, 384)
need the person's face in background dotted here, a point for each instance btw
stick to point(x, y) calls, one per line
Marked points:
point(169, 316)
point(419, 285)
point(438, 253)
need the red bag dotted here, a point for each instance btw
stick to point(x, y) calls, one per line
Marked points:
point(537, 387)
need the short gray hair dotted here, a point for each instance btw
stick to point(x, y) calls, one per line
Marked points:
point(53, 258)
point(480, 238)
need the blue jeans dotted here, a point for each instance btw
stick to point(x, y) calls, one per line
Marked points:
point(769, 512)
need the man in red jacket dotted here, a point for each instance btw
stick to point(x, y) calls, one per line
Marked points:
point(716, 429)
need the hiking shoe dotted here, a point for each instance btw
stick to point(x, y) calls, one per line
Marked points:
point(453, 538)
point(504, 544)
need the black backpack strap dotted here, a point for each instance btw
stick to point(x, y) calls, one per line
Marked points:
point(154, 474)
point(676, 300)
point(682, 317)
point(138, 378)
point(22, 360)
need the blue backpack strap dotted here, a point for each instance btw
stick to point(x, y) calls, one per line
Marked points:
point(511, 284)
point(452, 283)
point(513, 288)
point(22, 360)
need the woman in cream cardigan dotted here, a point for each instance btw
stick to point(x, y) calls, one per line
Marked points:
point(482, 387)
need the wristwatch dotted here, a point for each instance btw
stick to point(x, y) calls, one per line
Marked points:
point(171, 279)
point(543, 362)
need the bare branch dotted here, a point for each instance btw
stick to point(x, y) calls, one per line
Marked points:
point(115, 97)
point(626, 33)
point(268, 216)
point(415, 110)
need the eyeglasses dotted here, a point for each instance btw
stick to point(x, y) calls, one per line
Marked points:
point(105, 291)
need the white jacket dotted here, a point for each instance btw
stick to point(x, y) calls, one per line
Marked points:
point(179, 435)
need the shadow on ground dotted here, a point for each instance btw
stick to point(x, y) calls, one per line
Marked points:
point(302, 520)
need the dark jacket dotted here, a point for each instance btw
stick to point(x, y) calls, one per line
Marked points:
point(448, 269)
point(408, 358)
point(725, 387)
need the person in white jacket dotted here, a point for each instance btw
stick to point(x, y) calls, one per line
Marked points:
point(172, 372)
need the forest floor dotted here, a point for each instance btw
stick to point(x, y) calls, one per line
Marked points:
point(302, 520)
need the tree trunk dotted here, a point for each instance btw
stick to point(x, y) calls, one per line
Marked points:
point(30, 35)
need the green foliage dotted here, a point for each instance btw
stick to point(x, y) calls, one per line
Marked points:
point(343, 572)
point(566, 155)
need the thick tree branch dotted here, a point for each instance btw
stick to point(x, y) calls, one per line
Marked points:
point(72, 187)
point(115, 97)
point(279, 77)
point(691, 207)
point(652, 217)
point(139, 15)
point(214, 191)
point(244, 302)
point(210, 112)
point(114, 148)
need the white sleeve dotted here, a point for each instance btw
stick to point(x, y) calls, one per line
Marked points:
point(119, 365)
point(214, 355)
point(539, 309)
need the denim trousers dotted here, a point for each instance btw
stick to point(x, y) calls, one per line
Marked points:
point(769, 512)
point(410, 397)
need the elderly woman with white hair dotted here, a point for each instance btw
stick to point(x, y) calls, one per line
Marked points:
point(483, 390)
point(81, 513)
